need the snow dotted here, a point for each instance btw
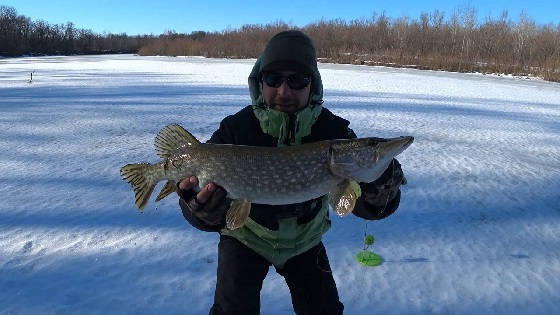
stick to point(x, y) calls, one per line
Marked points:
point(477, 231)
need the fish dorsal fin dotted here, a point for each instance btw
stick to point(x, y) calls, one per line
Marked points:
point(170, 138)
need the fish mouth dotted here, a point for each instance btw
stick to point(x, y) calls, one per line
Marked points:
point(407, 141)
point(395, 145)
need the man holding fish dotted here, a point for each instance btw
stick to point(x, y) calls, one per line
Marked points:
point(286, 92)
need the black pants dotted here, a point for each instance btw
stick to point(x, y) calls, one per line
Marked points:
point(241, 272)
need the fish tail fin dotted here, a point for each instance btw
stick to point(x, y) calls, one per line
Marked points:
point(139, 177)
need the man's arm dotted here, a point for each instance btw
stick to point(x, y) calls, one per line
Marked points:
point(381, 197)
point(206, 209)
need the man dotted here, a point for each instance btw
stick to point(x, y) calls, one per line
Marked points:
point(286, 91)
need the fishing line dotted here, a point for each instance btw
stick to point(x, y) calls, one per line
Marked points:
point(367, 257)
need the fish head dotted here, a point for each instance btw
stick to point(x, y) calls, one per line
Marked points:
point(365, 159)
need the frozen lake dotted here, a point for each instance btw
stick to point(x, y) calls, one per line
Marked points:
point(477, 231)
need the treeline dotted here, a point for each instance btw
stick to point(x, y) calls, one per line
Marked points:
point(433, 41)
point(21, 36)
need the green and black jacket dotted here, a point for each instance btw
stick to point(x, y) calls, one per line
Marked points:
point(283, 231)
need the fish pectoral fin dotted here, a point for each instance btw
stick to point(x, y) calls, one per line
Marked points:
point(172, 137)
point(238, 213)
point(343, 168)
point(168, 189)
point(344, 196)
point(337, 168)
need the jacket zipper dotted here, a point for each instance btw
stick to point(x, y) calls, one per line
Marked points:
point(291, 138)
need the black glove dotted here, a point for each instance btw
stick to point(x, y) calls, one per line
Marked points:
point(212, 212)
point(384, 189)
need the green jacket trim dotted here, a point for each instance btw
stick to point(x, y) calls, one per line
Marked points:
point(291, 239)
point(277, 124)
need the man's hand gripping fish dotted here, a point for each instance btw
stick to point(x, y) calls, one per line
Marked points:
point(267, 175)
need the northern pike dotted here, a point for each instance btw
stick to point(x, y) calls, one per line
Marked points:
point(267, 175)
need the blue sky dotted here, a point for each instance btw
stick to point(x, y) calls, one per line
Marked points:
point(145, 17)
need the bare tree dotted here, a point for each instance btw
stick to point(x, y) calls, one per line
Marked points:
point(431, 41)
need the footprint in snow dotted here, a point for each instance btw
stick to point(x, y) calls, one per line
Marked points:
point(519, 256)
point(27, 247)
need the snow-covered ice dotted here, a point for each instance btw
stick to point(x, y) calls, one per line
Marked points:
point(477, 231)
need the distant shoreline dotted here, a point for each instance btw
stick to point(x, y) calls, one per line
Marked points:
point(319, 60)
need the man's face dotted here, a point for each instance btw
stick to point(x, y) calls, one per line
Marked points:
point(284, 98)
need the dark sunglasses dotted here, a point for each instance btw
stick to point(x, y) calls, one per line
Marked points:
point(295, 81)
